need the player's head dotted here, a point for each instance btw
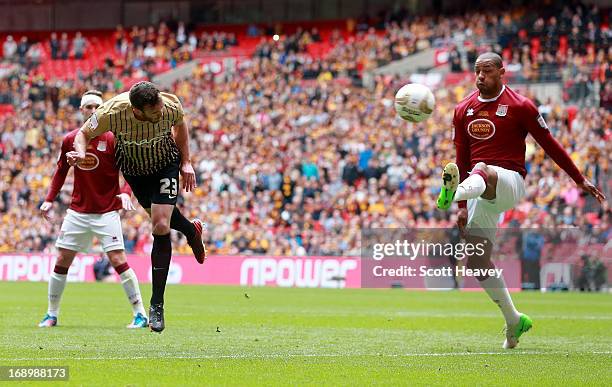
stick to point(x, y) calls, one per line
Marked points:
point(90, 101)
point(146, 101)
point(489, 70)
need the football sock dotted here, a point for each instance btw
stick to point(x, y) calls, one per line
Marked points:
point(470, 188)
point(179, 223)
point(498, 292)
point(160, 264)
point(131, 288)
point(57, 283)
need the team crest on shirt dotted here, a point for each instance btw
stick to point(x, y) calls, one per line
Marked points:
point(102, 146)
point(502, 110)
point(481, 129)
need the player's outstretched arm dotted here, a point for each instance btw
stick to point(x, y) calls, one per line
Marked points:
point(57, 182)
point(181, 137)
point(80, 146)
point(98, 123)
point(539, 130)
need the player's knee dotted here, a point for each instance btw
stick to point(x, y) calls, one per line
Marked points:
point(484, 170)
point(65, 257)
point(480, 167)
point(161, 227)
point(116, 257)
point(63, 262)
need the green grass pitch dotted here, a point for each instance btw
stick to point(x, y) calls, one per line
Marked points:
point(274, 336)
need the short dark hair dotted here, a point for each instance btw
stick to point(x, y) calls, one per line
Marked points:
point(144, 94)
point(93, 92)
point(493, 57)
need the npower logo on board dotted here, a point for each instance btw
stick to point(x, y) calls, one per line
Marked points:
point(292, 272)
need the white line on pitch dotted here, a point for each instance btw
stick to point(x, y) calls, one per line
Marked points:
point(274, 356)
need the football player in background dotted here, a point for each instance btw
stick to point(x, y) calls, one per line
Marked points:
point(94, 211)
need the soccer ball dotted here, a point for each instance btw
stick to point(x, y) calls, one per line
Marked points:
point(414, 102)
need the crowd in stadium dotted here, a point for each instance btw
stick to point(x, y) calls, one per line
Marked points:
point(174, 43)
point(290, 161)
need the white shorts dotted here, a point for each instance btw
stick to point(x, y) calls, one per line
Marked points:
point(79, 229)
point(484, 215)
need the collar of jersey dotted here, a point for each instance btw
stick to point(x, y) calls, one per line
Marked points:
point(494, 98)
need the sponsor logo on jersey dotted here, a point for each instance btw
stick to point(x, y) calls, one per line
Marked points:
point(502, 110)
point(483, 113)
point(91, 162)
point(481, 129)
point(470, 112)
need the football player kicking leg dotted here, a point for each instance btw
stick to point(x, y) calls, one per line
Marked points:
point(489, 191)
point(76, 234)
point(191, 229)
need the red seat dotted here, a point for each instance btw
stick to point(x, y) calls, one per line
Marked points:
point(6, 110)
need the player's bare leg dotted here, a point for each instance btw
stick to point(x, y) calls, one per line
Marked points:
point(160, 262)
point(192, 230)
point(57, 283)
point(129, 282)
point(516, 323)
point(482, 182)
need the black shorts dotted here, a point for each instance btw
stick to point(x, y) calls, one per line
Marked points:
point(161, 187)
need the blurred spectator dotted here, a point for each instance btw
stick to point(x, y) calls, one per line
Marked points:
point(181, 33)
point(22, 49)
point(54, 45)
point(64, 46)
point(253, 31)
point(34, 56)
point(9, 48)
point(531, 253)
point(592, 274)
point(79, 45)
point(454, 58)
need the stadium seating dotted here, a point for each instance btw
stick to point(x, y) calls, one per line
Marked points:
point(254, 133)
